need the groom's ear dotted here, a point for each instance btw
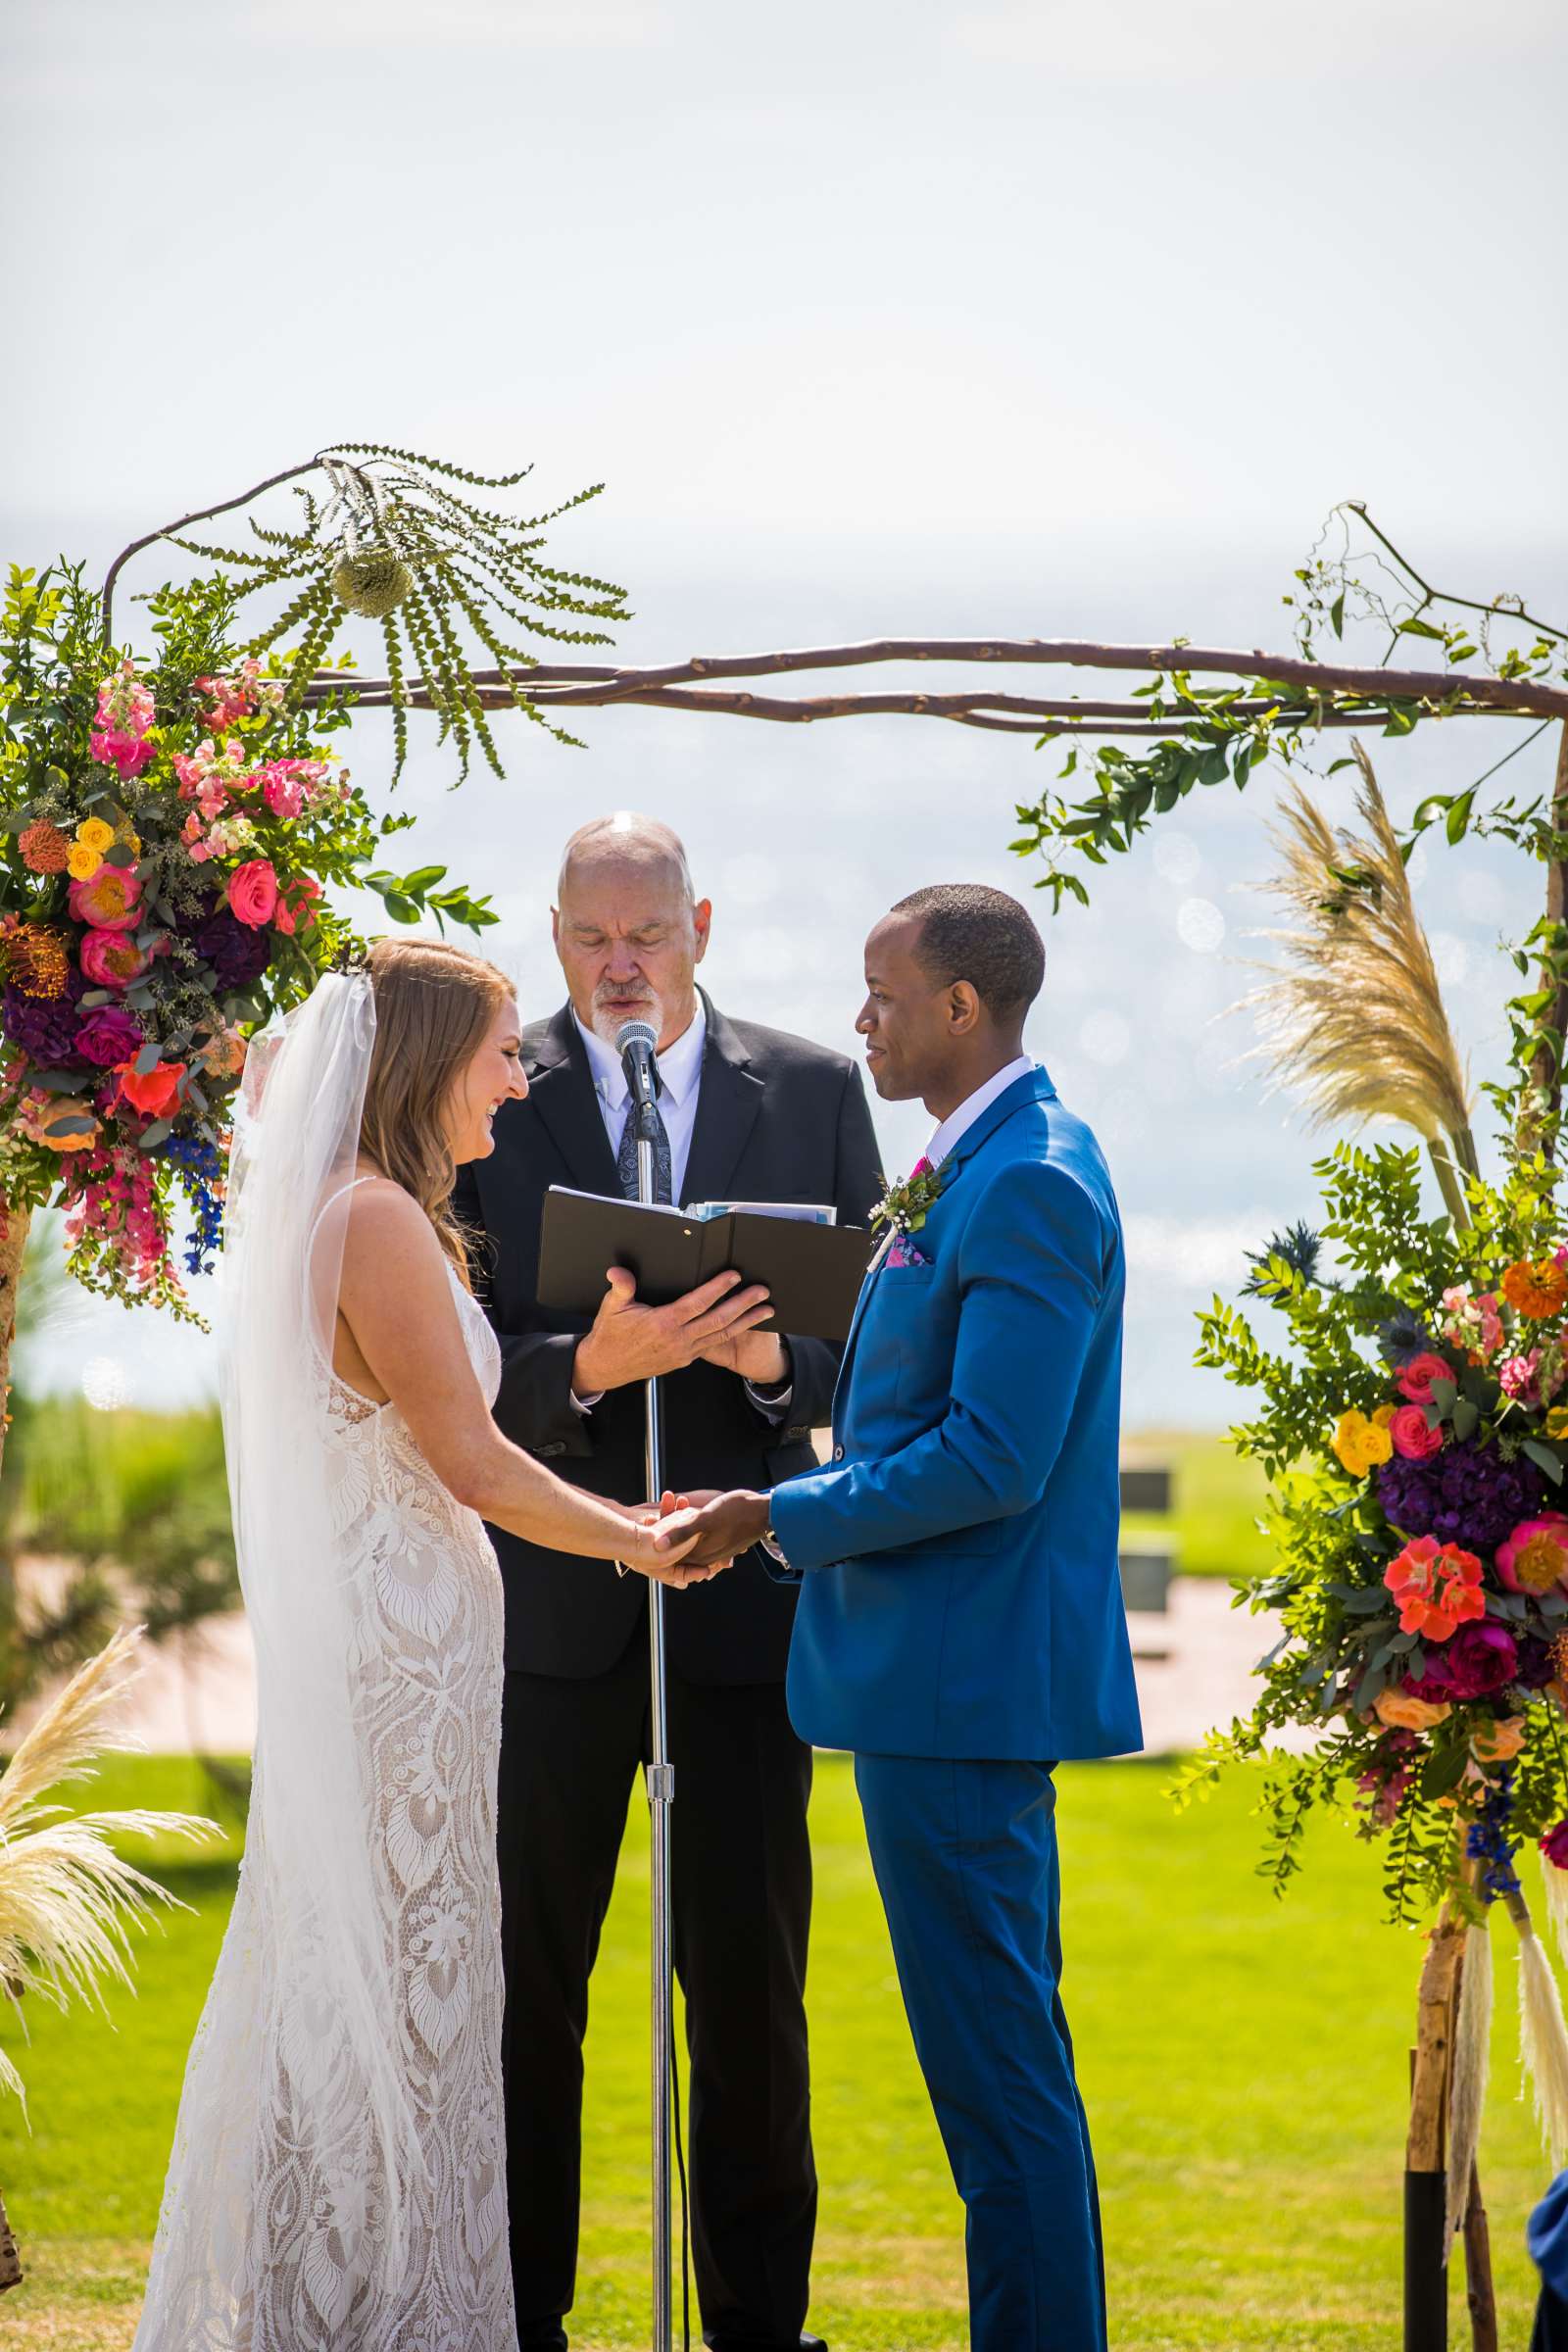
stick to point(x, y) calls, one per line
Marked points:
point(964, 1007)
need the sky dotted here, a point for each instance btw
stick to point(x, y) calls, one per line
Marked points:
point(874, 320)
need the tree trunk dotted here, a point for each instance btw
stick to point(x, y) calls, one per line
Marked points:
point(14, 1224)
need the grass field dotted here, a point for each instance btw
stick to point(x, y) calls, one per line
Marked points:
point(1244, 2062)
point(1217, 1499)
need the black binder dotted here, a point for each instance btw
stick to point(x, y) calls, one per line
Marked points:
point(812, 1272)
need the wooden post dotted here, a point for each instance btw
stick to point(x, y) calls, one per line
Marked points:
point(1426, 2273)
point(10, 2257)
point(14, 1224)
point(1478, 2270)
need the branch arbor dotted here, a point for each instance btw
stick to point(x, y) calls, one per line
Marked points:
point(194, 813)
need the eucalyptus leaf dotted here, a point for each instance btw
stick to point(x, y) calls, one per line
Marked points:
point(158, 1133)
point(1466, 1418)
point(1444, 1769)
point(1544, 1459)
point(148, 1059)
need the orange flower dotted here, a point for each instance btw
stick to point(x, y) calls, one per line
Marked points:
point(155, 1092)
point(62, 1123)
point(36, 959)
point(44, 848)
point(1437, 1586)
point(1500, 1743)
point(1537, 1287)
point(1407, 1713)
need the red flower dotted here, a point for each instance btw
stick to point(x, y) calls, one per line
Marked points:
point(1409, 1435)
point(1415, 1377)
point(155, 1092)
point(253, 893)
point(297, 904)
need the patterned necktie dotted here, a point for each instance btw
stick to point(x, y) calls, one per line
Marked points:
point(626, 1157)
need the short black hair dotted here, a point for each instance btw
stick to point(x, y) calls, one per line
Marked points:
point(969, 932)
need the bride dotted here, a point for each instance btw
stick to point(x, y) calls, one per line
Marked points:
point(337, 2181)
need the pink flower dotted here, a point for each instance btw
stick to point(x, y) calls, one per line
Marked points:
point(128, 753)
point(108, 959)
point(1555, 1846)
point(1410, 1436)
point(1535, 1556)
point(1533, 1379)
point(1473, 1323)
point(110, 901)
point(285, 793)
point(1415, 1377)
point(297, 904)
point(253, 893)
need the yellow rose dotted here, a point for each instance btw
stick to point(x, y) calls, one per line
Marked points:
point(1407, 1713)
point(82, 863)
point(1499, 1743)
point(1361, 1444)
point(94, 834)
point(1384, 1415)
point(1557, 1421)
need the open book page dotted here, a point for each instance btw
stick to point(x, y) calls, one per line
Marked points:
point(800, 1212)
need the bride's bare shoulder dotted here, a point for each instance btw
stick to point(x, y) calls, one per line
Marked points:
point(384, 1228)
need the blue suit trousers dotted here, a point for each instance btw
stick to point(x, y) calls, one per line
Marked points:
point(966, 1865)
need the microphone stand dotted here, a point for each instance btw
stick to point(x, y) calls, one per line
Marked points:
point(660, 1799)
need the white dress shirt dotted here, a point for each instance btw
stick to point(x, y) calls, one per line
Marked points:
point(958, 1123)
point(680, 1073)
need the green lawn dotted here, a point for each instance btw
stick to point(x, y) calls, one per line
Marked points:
point(1244, 2062)
point(1217, 1499)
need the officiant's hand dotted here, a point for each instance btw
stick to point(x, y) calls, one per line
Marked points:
point(630, 1342)
point(759, 1356)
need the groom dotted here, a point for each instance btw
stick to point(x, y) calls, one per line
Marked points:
point(960, 1622)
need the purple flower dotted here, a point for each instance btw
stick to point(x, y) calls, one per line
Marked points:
point(1480, 1657)
point(1466, 1495)
point(237, 953)
point(1536, 1668)
point(109, 1035)
point(44, 1027)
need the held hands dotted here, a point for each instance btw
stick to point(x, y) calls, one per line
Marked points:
point(714, 1324)
point(718, 1527)
point(660, 1543)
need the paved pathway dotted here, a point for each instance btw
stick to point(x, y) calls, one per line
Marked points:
point(198, 1692)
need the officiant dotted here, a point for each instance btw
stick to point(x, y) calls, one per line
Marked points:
point(747, 1113)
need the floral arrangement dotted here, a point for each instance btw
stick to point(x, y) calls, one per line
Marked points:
point(1417, 1432)
point(167, 835)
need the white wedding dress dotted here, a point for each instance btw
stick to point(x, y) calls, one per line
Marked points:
point(280, 2230)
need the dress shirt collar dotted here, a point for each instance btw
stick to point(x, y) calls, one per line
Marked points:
point(680, 1068)
point(957, 1122)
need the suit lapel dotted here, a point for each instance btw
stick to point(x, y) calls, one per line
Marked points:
point(728, 1098)
point(1034, 1087)
point(560, 1088)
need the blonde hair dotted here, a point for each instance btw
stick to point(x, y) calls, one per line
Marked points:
point(433, 1005)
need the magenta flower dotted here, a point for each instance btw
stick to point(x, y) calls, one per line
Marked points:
point(109, 1035)
point(1555, 1846)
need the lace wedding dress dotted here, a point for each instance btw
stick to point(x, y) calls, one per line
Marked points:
point(281, 2231)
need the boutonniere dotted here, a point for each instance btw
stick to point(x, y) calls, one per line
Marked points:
point(904, 1207)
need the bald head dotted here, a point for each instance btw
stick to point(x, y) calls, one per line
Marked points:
point(626, 839)
point(628, 927)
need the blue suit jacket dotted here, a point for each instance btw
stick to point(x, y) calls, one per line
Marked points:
point(959, 1561)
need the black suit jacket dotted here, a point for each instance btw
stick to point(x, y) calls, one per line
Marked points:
point(777, 1119)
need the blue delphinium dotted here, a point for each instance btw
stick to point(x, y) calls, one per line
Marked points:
point(201, 1170)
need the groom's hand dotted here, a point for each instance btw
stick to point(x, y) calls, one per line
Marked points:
point(630, 1342)
point(725, 1525)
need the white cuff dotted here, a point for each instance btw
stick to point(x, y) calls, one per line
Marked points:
point(586, 1404)
point(772, 1409)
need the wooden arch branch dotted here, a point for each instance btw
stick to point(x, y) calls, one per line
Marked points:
point(1295, 689)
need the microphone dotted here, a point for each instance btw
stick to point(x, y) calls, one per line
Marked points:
point(637, 1042)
